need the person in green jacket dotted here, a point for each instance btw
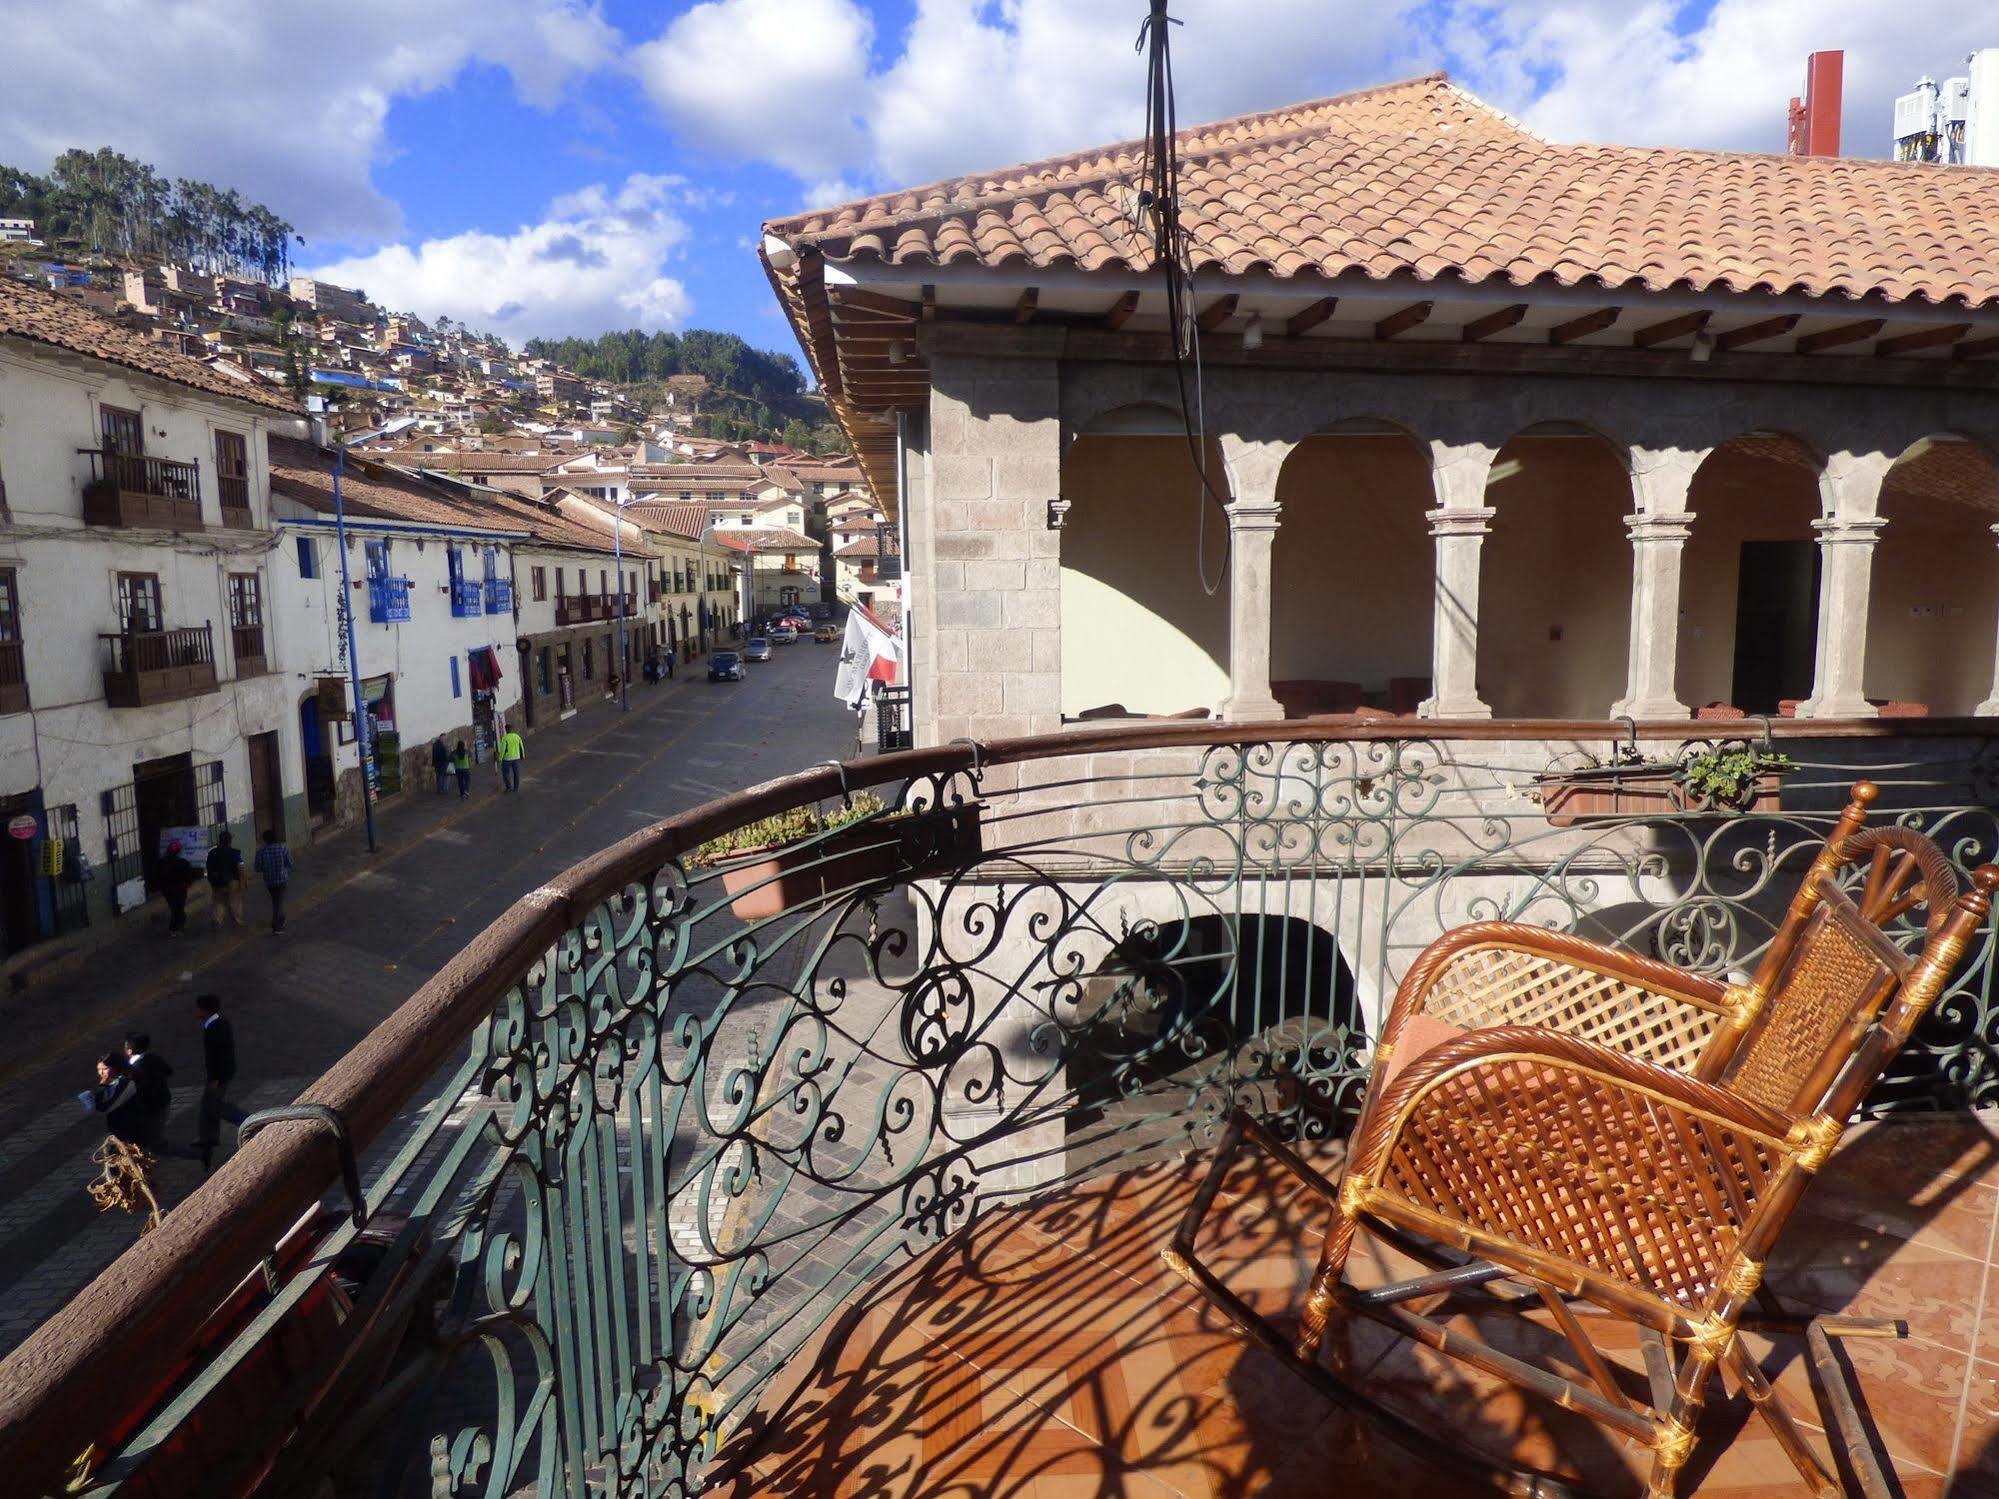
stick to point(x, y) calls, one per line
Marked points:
point(461, 766)
point(511, 750)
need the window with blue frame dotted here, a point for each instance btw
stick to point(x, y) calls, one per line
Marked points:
point(499, 590)
point(388, 598)
point(465, 600)
point(308, 557)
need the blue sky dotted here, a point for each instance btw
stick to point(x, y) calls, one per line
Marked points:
point(563, 166)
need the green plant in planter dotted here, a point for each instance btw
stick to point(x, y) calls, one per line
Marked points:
point(790, 826)
point(1727, 777)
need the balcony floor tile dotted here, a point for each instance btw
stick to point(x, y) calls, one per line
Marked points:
point(1047, 1351)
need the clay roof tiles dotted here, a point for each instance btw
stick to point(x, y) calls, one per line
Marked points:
point(40, 316)
point(1421, 178)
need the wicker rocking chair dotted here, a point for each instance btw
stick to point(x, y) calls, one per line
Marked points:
point(1590, 1131)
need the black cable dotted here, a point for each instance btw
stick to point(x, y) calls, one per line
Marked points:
point(1161, 196)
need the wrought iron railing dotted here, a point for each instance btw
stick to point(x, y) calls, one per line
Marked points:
point(677, 1106)
point(499, 595)
point(468, 599)
point(388, 600)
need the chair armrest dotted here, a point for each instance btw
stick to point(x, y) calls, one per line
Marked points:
point(1495, 973)
point(1556, 1155)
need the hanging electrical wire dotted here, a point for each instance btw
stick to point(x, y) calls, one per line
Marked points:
point(1159, 197)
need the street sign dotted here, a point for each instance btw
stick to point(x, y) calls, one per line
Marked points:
point(22, 827)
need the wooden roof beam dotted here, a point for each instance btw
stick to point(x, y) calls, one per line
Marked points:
point(1023, 310)
point(1480, 329)
point(1670, 329)
point(1217, 312)
point(1582, 327)
point(859, 299)
point(1120, 311)
point(1844, 334)
point(1928, 338)
point(1401, 322)
point(929, 313)
point(1756, 333)
point(1301, 323)
point(1977, 348)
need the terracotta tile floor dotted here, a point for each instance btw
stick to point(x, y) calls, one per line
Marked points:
point(1048, 1353)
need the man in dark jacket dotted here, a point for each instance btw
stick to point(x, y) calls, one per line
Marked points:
point(174, 876)
point(218, 1060)
point(155, 1093)
point(440, 764)
point(225, 880)
point(116, 1097)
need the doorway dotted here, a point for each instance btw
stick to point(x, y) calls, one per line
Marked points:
point(1776, 624)
point(319, 793)
point(23, 920)
point(267, 798)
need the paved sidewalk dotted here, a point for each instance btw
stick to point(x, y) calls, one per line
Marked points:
point(364, 932)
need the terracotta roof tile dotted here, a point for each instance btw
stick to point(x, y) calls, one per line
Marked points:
point(765, 539)
point(40, 316)
point(1420, 177)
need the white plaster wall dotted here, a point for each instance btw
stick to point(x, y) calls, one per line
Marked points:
point(1734, 498)
point(1352, 565)
point(1930, 626)
point(71, 742)
point(1137, 626)
point(1557, 564)
point(416, 653)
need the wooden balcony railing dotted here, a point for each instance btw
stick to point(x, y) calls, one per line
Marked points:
point(143, 667)
point(13, 677)
point(246, 643)
point(234, 492)
point(136, 489)
point(582, 608)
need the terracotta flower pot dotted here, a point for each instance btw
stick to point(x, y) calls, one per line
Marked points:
point(906, 846)
point(1570, 797)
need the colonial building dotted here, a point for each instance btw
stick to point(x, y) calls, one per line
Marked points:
point(137, 692)
point(431, 584)
point(1495, 426)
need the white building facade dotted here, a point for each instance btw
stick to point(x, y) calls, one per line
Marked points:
point(137, 695)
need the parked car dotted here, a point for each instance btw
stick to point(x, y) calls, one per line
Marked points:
point(725, 666)
point(757, 650)
point(826, 635)
point(784, 635)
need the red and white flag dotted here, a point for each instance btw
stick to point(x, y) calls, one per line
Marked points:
point(868, 654)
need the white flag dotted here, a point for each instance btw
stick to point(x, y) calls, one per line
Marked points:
point(868, 654)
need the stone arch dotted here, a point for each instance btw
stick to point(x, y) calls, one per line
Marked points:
point(1141, 632)
point(1749, 598)
point(1934, 590)
point(1352, 595)
point(1555, 575)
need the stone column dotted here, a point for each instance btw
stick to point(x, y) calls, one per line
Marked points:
point(1847, 534)
point(1990, 707)
point(1253, 520)
point(1460, 535)
point(1658, 543)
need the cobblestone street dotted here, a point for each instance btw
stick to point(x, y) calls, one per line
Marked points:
point(365, 932)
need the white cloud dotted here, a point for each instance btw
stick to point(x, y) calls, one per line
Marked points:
point(774, 80)
point(1610, 70)
point(283, 100)
point(592, 264)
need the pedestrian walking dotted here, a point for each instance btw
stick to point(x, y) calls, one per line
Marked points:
point(116, 1097)
point(218, 1064)
point(175, 877)
point(669, 663)
point(155, 1100)
point(225, 880)
point(440, 764)
point(274, 863)
point(461, 766)
point(511, 750)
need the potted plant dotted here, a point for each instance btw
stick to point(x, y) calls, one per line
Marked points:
point(1733, 778)
point(1724, 778)
point(804, 854)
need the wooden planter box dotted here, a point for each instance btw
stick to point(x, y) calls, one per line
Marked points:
point(1579, 796)
point(763, 882)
